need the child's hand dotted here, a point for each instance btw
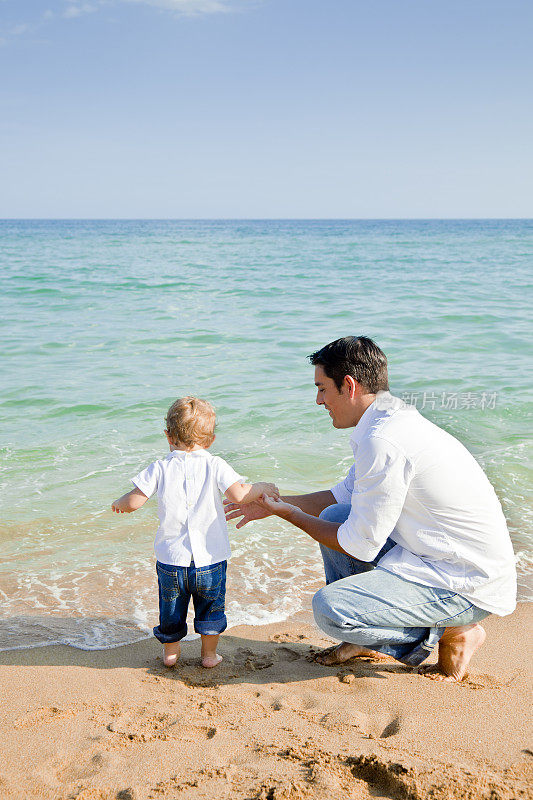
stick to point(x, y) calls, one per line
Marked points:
point(242, 493)
point(129, 502)
point(117, 508)
point(261, 488)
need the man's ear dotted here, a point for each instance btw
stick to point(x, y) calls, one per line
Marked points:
point(352, 386)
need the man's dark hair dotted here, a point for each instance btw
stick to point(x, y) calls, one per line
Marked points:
point(357, 356)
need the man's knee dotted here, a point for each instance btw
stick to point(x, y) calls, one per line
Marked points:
point(327, 513)
point(323, 605)
point(338, 512)
point(317, 603)
point(329, 617)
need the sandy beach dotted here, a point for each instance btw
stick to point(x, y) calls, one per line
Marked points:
point(268, 723)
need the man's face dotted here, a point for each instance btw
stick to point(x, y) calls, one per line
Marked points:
point(339, 404)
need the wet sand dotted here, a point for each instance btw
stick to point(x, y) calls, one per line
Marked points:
point(268, 724)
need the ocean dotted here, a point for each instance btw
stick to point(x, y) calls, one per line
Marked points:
point(105, 323)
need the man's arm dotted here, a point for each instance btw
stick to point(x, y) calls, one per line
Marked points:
point(311, 504)
point(320, 530)
point(381, 481)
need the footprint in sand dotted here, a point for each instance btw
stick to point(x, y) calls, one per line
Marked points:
point(196, 733)
point(384, 777)
point(392, 728)
point(287, 637)
point(287, 654)
point(483, 682)
point(47, 714)
point(209, 707)
point(159, 727)
point(77, 771)
point(250, 660)
point(193, 734)
point(381, 726)
point(126, 794)
point(101, 793)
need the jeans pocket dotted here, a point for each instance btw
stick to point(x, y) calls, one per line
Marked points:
point(168, 584)
point(211, 581)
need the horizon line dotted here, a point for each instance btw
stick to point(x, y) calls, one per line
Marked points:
point(266, 219)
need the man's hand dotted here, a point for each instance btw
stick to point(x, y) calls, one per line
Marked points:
point(259, 509)
point(319, 529)
point(248, 511)
point(278, 507)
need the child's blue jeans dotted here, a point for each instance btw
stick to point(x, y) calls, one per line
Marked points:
point(206, 586)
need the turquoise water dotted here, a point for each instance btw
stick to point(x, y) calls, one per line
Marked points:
point(104, 324)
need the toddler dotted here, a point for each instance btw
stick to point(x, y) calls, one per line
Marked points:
point(191, 543)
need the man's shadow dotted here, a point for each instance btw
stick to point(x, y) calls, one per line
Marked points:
point(282, 657)
point(249, 661)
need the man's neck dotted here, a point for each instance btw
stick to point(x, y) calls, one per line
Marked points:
point(365, 402)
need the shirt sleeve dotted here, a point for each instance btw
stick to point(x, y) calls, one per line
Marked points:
point(147, 480)
point(342, 492)
point(225, 475)
point(382, 476)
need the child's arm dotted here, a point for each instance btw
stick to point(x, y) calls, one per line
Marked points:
point(247, 493)
point(130, 502)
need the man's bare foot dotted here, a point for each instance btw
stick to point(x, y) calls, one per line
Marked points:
point(171, 653)
point(456, 648)
point(344, 652)
point(211, 660)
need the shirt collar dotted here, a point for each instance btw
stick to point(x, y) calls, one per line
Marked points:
point(384, 405)
point(183, 453)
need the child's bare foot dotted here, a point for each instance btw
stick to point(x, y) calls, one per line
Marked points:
point(211, 660)
point(210, 657)
point(171, 653)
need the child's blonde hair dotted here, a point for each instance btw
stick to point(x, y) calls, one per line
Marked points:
point(191, 421)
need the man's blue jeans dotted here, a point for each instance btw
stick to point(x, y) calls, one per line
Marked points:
point(364, 604)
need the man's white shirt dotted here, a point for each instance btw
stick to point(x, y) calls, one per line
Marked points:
point(192, 524)
point(416, 483)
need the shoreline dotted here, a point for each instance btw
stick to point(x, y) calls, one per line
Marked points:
point(269, 722)
point(302, 615)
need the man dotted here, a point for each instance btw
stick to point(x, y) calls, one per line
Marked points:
point(415, 545)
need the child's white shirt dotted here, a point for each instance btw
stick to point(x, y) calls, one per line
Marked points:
point(192, 524)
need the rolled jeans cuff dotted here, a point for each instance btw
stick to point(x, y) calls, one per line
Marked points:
point(166, 638)
point(211, 627)
point(421, 650)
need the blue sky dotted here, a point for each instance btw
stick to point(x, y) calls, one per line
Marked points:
point(266, 108)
